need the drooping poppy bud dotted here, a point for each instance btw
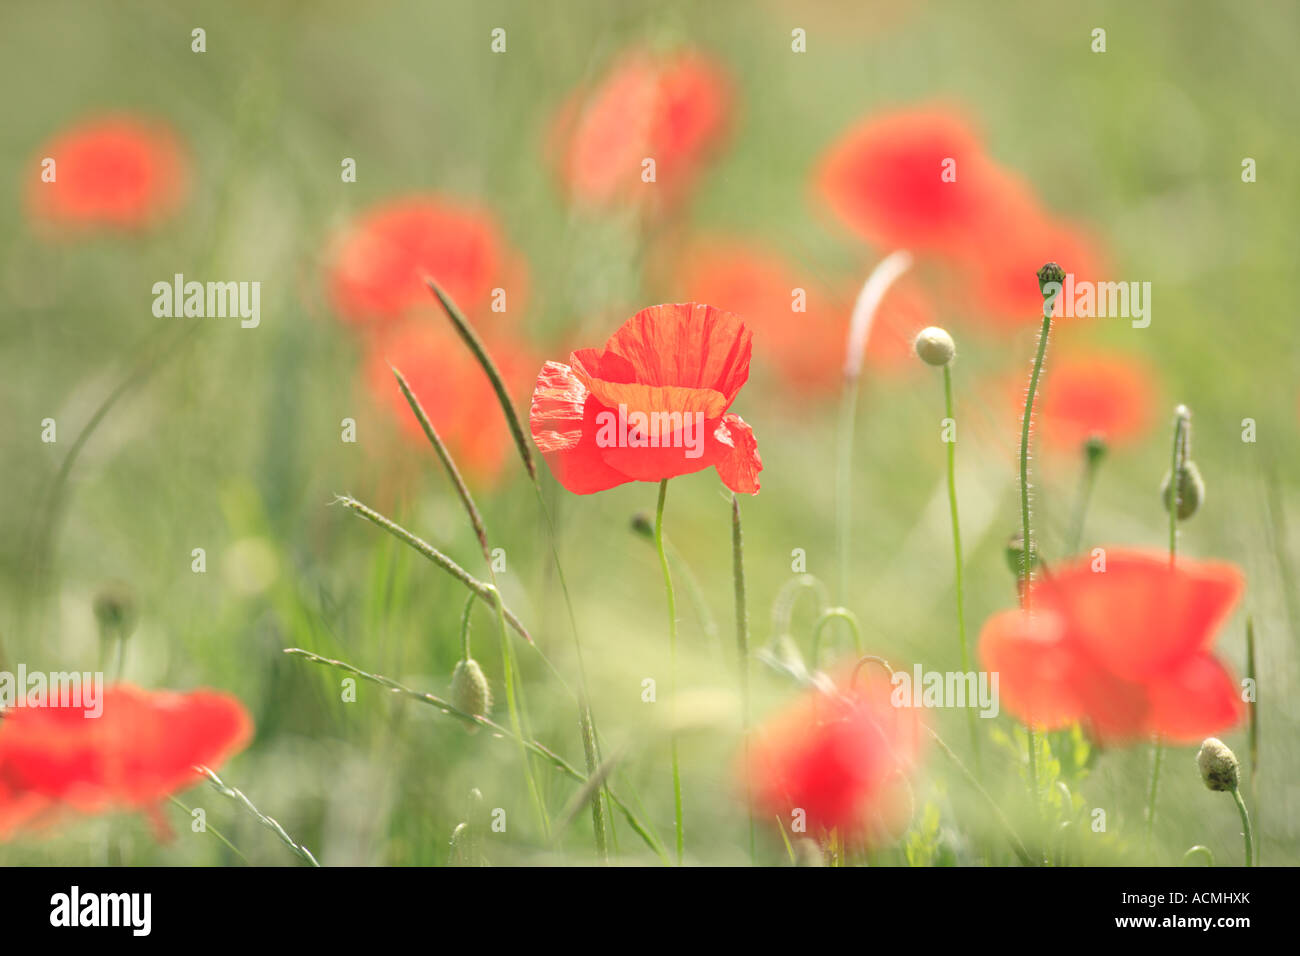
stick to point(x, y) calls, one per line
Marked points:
point(469, 688)
point(1218, 765)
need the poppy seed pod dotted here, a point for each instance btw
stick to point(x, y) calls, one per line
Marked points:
point(469, 688)
point(1191, 490)
point(934, 346)
point(1218, 765)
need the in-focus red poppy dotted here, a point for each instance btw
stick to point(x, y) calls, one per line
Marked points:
point(452, 389)
point(841, 756)
point(379, 263)
point(1127, 650)
point(142, 748)
point(650, 404)
point(916, 179)
point(806, 348)
point(1093, 394)
point(122, 172)
point(671, 108)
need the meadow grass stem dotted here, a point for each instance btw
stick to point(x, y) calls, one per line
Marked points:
point(641, 829)
point(672, 669)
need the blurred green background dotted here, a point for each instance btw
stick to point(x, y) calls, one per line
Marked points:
point(230, 441)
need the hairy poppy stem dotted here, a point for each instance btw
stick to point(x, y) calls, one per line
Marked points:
point(672, 668)
point(1050, 277)
point(957, 563)
point(742, 652)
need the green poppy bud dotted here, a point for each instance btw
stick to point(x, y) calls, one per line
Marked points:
point(469, 688)
point(1191, 490)
point(1218, 764)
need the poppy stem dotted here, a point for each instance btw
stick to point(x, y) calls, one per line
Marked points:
point(464, 628)
point(672, 668)
point(831, 614)
point(1253, 711)
point(1093, 453)
point(1246, 832)
point(1027, 554)
point(742, 652)
point(957, 561)
point(1178, 458)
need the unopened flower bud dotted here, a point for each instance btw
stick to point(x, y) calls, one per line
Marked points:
point(469, 688)
point(1218, 764)
point(642, 525)
point(1191, 490)
point(934, 346)
point(1094, 449)
point(115, 610)
point(1050, 277)
point(1015, 555)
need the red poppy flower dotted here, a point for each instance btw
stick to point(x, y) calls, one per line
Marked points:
point(841, 757)
point(915, 179)
point(650, 404)
point(118, 171)
point(142, 748)
point(380, 262)
point(1125, 650)
point(670, 108)
point(452, 389)
point(1107, 395)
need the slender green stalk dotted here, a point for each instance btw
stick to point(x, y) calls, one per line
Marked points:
point(1027, 556)
point(512, 707)
point(464, 628)
point(672, 669)
point(958, 562)
point(1198, 851)
point(482, 590)
point(1178, 458)
point(270, 823)
point(1246, 833)
point(475, 344)
point(835, 614)
point(1017, 845)
point(742, 652)
point(1253, 710)
point(1093, 452)
point(209, 828)
point(586, 722)
point(487, 723)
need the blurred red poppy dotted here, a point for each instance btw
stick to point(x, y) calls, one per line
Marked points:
point(1016, 240)
point(650, 404)
point(142, 748)
point(800, 325)
point(915, 179)
point(452, 389)
point(379, 263)
point(122, 172)
point(1125, 650)
point(671, 108)
point(839, 756)
point(1110, 396)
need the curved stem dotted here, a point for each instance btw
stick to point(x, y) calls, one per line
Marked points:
point(672, 667)
point(1245, 825)
point(831, 614)
point(957, 561)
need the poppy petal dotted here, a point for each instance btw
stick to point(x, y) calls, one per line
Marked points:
point(737, 460)
point(1037, 672)
point(563, 423)
point(1199, 699)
